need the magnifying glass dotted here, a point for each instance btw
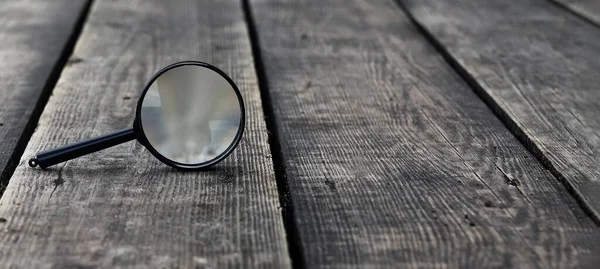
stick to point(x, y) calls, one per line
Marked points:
point(190, 116)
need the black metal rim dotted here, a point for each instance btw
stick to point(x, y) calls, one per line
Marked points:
point(137, 126)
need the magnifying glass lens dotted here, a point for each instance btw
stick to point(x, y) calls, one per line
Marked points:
point(191, 115)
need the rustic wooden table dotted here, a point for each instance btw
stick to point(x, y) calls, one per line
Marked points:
point(380, 134)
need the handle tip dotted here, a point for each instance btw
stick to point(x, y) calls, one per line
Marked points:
point(33, 162)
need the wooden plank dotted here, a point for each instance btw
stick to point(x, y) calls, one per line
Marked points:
point(536, 66)
point(588, 9)
point(392, 161)
point(35, 37)
point(121, 207)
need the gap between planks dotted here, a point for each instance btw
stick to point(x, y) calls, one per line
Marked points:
point(578, 11)
point(63, 60)
point(287, 206)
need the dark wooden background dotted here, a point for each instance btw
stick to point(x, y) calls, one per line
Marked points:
point(380, 134)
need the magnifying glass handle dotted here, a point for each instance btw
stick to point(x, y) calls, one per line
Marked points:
point(68, 152)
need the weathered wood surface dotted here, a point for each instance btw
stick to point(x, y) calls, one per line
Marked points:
point(589, 9)
point(393, 161)
point(121, 207)
point(33, 35)
point(537, 65)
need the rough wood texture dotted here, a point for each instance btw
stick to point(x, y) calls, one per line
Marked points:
point(589, 9)
point(537, 66)
point(393, 161)
point(33, 35)
point(121, 207)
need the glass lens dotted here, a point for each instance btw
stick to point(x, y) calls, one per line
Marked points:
point(191, 114)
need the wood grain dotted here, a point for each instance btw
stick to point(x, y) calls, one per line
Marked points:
point(33, 36)
point(536, 64)
point(121, 207)
point(588, 9)
point(392, 161)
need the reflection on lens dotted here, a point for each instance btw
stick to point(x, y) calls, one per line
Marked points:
point(191, 114)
